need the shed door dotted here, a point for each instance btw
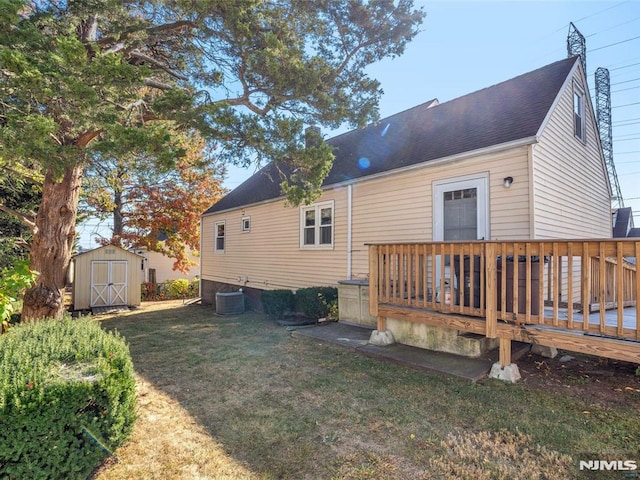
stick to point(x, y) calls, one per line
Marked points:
point(108, 283)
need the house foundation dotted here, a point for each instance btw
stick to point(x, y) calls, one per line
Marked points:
point(209, 288)
point(353, 307)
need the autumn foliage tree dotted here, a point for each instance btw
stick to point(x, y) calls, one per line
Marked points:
point(152, 204)
point(248, 74)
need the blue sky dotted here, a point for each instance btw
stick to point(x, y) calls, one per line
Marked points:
point(467, 46)
point(470, 45)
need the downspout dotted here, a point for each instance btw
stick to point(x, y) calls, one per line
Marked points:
point(349, 226)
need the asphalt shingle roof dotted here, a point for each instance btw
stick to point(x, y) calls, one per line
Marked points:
point(506, 112)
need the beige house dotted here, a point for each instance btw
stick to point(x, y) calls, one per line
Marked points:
point(517, 160)
point(159, 267)
point(104, 277)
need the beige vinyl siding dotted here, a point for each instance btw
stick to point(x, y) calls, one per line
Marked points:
point(391, 208)
point(398, 207)
point(269, 256)
point(81, 265)
point(571, 195)
point(163, 266)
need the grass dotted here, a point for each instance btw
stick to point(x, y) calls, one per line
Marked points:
point(240, 398)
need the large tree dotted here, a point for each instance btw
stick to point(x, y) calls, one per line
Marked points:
point(151, 203)
point(248, 74)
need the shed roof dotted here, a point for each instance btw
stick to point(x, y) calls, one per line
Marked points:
point(92, 250)
point(506, 112)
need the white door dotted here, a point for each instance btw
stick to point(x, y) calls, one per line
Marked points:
point(108, 283)
point(460, 212)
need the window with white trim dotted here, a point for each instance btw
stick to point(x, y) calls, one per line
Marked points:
point(246, 224)
point(316, 226)
point(220, 236)
point(578, 113)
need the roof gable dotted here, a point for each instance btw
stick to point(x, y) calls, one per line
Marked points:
point(506, 112)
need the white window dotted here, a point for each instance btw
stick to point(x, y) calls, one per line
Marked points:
point(578, 113)
point(220, 234)
point(246, 224)
point(316, 226)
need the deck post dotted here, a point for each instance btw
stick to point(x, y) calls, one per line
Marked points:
point(381, 336)
point(491, 289)
point(505, 370)
point(374, 280)
point(505, 352)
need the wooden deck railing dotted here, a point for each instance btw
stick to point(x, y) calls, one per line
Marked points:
point(611, 281)
point(543, 283)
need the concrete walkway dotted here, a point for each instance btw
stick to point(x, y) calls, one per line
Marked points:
point(357, 338)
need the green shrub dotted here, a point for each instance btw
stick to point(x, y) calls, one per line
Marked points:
point(170, 290)
point(178, 288)
point(316, 302)
point(67, 397)
point(13, 282)
point(277, 302)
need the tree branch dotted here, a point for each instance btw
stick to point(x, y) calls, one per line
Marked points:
point(29, 175)
point(157, 63)
point(86, 138)
point(159, 85)
point(168, 27)
point(28, 220)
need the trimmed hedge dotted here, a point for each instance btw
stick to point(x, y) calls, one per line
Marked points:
point(316, 302)
point(67, 398)
point(277, 302)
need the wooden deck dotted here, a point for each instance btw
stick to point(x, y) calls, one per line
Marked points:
point(577, 295)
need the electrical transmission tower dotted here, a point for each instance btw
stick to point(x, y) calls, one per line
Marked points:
point(603, 112)
point(577, 45)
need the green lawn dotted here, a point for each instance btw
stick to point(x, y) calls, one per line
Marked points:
point(239, 397)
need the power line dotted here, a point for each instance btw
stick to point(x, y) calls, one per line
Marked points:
point(625, 66)
point(625, 89)
point(614, 26)
point(614, 44)
point(623, 124)
point(626, 81)
point(627, 120)
point(594, 14)
point(626, 105)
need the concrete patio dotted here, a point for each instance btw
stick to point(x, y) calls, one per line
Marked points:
point(356, 337)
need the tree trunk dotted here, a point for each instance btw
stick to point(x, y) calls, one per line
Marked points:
point(118, 224)
point(52, 245)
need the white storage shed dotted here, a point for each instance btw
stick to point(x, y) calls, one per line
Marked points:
point(106, 276)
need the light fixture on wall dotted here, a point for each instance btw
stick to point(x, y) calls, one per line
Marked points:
point(507, 182)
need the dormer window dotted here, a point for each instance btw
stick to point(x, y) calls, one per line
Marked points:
point(578, 113)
